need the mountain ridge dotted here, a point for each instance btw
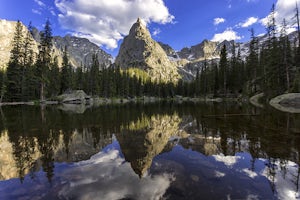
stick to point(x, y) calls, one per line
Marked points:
point(140, 50)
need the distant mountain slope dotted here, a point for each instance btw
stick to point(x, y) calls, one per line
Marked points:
point(81, 50)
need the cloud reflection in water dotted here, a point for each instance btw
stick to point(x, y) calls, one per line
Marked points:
point(108, 176)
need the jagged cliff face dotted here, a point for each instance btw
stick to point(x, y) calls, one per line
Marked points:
point(80, 50)
point(205, 49)
point(192, 59)
point(139, 50)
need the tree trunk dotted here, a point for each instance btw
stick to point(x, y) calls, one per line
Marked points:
point(42, 96)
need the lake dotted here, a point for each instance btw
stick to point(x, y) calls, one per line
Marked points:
point(154, 151)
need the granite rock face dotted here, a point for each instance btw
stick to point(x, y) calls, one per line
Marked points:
point(139, 50)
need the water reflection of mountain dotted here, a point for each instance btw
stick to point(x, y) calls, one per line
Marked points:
point(144, 139)
point(33, 139)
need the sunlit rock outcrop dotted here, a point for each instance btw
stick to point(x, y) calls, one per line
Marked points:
point(139, 50)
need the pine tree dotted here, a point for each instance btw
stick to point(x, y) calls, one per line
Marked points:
point(44, 59)
point(14, 73)
point(216, 79)
point(296, 81)
point(66, 73)
point(79, 78)
point(28, 62)
point(241, 74)
point(223, 69)
point(286, 57)
point(54, 79)
point(2, 84)
point(273, 86)
point(252, 63)
point(94, 76)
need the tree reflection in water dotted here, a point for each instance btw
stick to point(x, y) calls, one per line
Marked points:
point(151, 137)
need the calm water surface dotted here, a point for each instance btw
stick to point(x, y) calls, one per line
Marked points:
point(159, 151)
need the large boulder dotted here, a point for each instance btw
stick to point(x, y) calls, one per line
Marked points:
point(74, 97)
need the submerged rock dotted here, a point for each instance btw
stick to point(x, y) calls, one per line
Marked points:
point(73, 108)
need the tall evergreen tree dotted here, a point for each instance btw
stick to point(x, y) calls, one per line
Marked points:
point(296, 81)
point(44, 58)
point(79, 78)
point(94, 76)
point(66, 72)
point(27, 67)
point(252, 63)
point(54, 86)
point(223, 65)
point(273, 86)
point(14, 71)
point(286, 55)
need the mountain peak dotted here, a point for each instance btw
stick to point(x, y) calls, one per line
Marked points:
point(139, 50)
point(139, 29)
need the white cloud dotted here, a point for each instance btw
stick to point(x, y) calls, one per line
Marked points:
point(228, 35)
point(52, 12)
point(218, 21)
point(40, 3)
point(250, 21)
point(229, 161)
point(156, 32)
point(284, 10)
point(36, 11)
point(106, 176)
point(106, 21)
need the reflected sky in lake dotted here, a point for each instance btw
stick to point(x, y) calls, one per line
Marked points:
point(160, 151)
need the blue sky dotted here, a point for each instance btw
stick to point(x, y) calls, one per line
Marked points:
point(179, 23)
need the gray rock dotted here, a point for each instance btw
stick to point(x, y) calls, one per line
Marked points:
point(74, 97)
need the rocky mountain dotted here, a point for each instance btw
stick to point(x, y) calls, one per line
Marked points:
point(169, 51)
point(139, 50)
point(80, 50)
point(190, 59)
point(205, 49)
